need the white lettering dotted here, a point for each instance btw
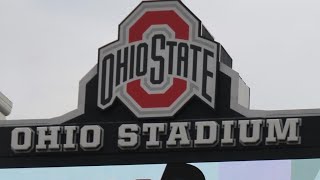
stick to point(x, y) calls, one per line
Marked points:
point(91, 137)
point(247, 126)
point(129, 137)
point(154, 130)
point(48, 135)
point(289, 133)
point(179, 135)
point(22, 139)
point(209, 137)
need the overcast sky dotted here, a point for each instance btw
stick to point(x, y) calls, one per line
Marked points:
point(47, 46)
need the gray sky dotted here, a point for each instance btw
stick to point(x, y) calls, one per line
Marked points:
point(47, 46)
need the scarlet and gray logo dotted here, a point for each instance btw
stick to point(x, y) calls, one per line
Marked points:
point(159, 62)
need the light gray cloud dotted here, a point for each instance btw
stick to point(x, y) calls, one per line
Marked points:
point(46, 47)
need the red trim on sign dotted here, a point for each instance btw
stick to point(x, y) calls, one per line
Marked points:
point(146, 100)
point(170, 18)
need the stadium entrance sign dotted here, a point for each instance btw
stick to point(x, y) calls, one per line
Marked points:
point(164, 92)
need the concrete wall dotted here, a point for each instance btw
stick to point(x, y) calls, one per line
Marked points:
point(5, 106)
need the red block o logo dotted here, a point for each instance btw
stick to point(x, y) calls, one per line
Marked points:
point(179, 86)
point(159, 62)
